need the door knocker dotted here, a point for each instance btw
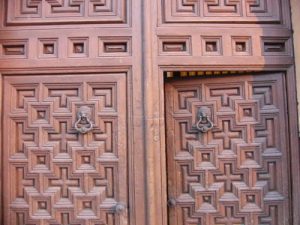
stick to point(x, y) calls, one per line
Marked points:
point(204, 124)
point(84, 124)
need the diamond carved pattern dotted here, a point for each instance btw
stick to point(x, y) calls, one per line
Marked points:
point(66, 11)
point(236, 173)
point(203, 11)
point(63, 177)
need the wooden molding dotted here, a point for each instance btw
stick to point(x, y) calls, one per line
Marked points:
point(295, 7)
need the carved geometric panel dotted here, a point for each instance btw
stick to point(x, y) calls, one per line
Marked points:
point(237, 172)
point(66, 11)
point(54, 174)
point(174, 45)
point(203, 11)
point(220, 45)
point(14, 48)
point(115, 46)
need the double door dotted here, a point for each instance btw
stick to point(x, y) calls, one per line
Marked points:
point(98, 128)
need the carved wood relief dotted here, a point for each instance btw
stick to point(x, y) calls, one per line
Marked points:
point(237, 173)
point(76, 47)
point(116, 173)
point(213, 45)
point(203, 11)
point(54, 174)
point(66, 11)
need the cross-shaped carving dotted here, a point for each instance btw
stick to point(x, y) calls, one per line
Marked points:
point(223, 6)
point(188, 219)
point(100, 182)
point(22, 95)
point(228, 177)
point(225, 94)
point(271, 218)
point(64, 182)
point(63, 95)
point(230, 218)
point(185, 136)
point(270, 176)
point(98, 2)
point(23, 136)
point(268, 132)
point(226, 134)
point(63, 136)
point(187, 178)
point(105, 135)
point(186, 96)
point(263, 92)
point(21, 182)
point(67, 5)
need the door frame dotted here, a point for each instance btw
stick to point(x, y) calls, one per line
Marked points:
point(156, 150)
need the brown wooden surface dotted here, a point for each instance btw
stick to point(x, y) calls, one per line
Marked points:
point(54, 174)
point(238, 172)
point(141, 40)
point(81, 41)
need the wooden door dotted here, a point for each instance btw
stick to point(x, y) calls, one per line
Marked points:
point(53, 173)
point(53, 52)
point(58, 59)
point(236, 171)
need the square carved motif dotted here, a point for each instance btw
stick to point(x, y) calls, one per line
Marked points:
point(241, 46)
point(78, 47)
point(203, 11)
point(69, 11)
point(212, 46)
point(48, 48)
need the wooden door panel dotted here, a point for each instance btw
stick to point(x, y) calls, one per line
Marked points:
point(24, 12)
point(53, 174)
point(182, 11)
point(236, 173)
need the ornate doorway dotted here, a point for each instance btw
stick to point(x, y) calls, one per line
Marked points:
point(83, 112)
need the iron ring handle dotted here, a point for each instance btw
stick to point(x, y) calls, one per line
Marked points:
point(204, 127)
point(83, 129)
point(204, 124)
point(83, 115)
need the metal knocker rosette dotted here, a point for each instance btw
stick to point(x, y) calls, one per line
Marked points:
point(120, 208)
point(204, 124)
point(84, 124)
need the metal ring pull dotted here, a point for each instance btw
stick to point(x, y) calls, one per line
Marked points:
point(204, 124)
point(84, 124)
